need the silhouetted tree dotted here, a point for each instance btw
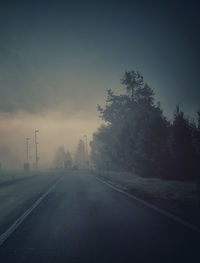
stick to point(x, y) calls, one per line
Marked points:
point(138, 137)
point(133, 81)
point(59, 157)
point(196, 135)
point(80, 156)
point(68, 160)
point(182, 148)
point(196, 138)
point(136, 131)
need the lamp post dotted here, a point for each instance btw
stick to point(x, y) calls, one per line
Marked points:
point(27, 149)
point(36, 149)
point(27, 165)
point(86, 149)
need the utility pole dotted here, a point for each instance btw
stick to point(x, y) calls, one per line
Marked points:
point(86, 149)
point(27, 165)
point(36, 149)
point(27, 149)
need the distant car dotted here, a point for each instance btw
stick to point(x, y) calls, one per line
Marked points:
point(75, 167)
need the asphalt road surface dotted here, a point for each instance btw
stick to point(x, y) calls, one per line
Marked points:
point(84, 220)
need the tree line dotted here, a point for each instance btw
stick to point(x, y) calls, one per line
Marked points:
point(63, 159)
point(138, 137)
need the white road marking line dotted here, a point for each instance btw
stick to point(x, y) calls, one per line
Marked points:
point(15, 225)
point(161, 211)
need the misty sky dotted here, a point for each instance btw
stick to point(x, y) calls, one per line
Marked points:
point(57, 58)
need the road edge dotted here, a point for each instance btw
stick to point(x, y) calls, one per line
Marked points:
point(155, 208)
point(4, 236)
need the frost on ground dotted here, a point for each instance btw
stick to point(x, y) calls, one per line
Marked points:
point(175, 196)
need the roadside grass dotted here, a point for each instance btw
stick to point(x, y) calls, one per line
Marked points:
point(155, 189)
point(179, 198)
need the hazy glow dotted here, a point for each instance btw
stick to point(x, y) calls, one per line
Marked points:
point(57, 60)
point(55, 130)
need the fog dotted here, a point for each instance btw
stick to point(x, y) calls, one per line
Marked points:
point(56, 128)
point(57, 60)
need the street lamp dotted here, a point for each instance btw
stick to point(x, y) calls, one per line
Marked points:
point(36, 149)
point(27, 149)
point(27, 165)
point(86, 149)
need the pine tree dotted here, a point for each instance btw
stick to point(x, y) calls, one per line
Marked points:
point(80, 156)
point(68, 160)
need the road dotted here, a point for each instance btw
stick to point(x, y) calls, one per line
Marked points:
point(17, 195)
point(84, 220)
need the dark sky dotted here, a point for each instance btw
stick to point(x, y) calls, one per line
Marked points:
point(54, 52)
